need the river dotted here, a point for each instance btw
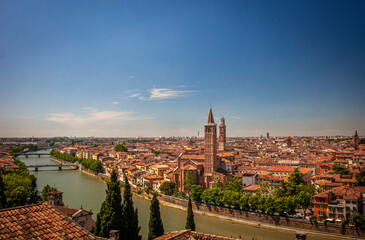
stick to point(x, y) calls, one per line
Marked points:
point(80, 189)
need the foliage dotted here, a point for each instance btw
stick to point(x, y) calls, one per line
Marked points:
point(155, 224)
point(110, 215)
point(235, 184)
point(2, 190)
point(20, 148)
point(313, 220)
point(196, 192)
point(360, 178)
point(92, 164)
point(325, 221)
point(231, 198)
point(64, 156)
point(190, 224)
point(168, 187)
point(189, 181)
point(358, 220)
point(295, 183)
point(130, 216)
point(213, 195)
point(120, 148)
point(343, 225)
point(156, 152)
point(45, 190)
point(19, 186)
point(340, 169)
point(304, 200)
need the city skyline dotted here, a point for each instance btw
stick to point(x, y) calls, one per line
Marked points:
point(131, 69)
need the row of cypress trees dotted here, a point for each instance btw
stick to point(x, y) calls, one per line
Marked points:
point(116, 214)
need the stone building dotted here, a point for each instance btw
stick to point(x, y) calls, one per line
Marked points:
point(206, 168)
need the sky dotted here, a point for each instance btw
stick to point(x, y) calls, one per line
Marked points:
point(153, 68)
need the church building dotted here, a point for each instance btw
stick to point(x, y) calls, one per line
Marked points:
point(206, 168)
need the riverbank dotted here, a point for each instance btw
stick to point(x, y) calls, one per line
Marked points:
point(199, 209)
point(255, 223)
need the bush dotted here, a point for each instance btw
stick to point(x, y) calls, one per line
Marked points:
point(313, 220)
point(344, 223)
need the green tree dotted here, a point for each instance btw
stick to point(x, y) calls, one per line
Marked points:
point(130, 216)
point(189, 181)
point(155, 224)
point(235, 184)
point(20, 186)
point(190, 224)
point(231, 198)
point(295, 183)
point(244, 201)
point(254, 202)
point(167, 187)
point(360, 178)
point(45, 191)
point(196, 192)
point(120, 148)
point(340, 169)
point(358, 220)
point(304, 200)
point(2, 190)
point(110, 215)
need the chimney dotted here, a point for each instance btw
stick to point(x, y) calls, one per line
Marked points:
point(114, 235)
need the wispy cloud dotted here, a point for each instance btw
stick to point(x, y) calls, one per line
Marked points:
point(115, 102)
point(166, 93)
point(159, 93)
point(94, 117)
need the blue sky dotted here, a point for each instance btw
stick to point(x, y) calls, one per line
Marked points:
point(152, 68)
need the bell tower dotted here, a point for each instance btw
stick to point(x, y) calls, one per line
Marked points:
point(222, 135)
point(356, 141)
point(211, 162)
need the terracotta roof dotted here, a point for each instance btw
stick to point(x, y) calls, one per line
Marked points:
point(39, 221)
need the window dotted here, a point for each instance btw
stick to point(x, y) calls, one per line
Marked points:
point(320, 213)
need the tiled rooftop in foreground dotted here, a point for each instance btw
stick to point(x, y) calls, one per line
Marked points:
point(39, 221)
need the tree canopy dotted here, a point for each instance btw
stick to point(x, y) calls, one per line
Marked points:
point(155, 224)
point(130, 216)
point(120, 148)
point(110, 215)
point(190, 224)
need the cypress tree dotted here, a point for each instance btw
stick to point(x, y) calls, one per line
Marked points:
point(130, 216)
point(190, 224)
point(155, 225)
point(2, 190)
point(110, 215)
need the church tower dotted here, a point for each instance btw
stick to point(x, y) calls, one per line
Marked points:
point(211, 162)
point(222, 135)
point(356, 141)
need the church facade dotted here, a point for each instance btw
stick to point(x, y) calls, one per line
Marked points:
point(206, 168)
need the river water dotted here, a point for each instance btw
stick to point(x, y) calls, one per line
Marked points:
point(80, 189)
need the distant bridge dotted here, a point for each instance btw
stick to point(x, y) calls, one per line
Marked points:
point(38, 154)
point(60, 166)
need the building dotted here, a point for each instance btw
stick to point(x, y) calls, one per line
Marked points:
point(356, 141)
point(222, 135)
point(206, 168)
point(339, 203)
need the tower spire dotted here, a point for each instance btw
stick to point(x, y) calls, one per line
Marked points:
point(210, 116)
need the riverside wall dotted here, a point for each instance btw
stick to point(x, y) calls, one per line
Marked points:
point(274, 220)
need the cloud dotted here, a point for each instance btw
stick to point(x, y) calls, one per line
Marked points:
point(156, 94)
point(115, 102)
point(166, 93)
point(95, 117)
